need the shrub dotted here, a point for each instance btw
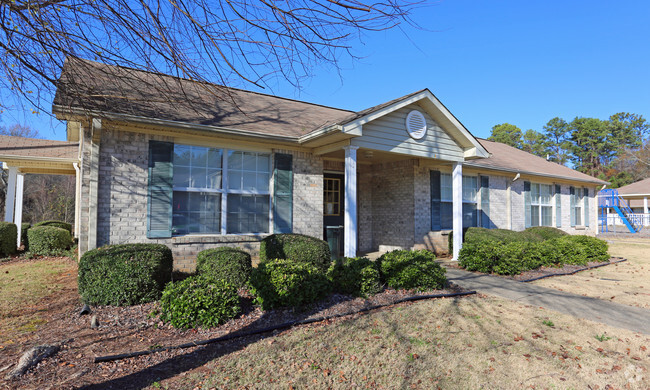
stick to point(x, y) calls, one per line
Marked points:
point(356, 276)
point(282, 282)
point(48, 240)
point(479, 256)
point(125, 274)
point(229, 264)
point(595, 248)
point(199, 301)
point(403, 269)
point(24, 227)
point(546, 232)
point(8, 238)
point(59, 224)
point(296, 247)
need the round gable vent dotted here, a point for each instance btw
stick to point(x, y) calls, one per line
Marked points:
point(416, 124)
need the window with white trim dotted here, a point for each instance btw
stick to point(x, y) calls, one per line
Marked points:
point(577, 206)
point(207, 181)
point(541, 208)
point(470, 189)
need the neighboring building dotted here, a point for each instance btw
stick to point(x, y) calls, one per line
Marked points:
point(204, 171)
point(636, 196)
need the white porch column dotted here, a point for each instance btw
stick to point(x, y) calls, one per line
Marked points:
point(18, 216)
point(350, 223)
point(10, 199)
point(457, 207)
point(645, 210)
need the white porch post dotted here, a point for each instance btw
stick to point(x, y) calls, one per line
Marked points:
point(457, 207)
point(350, 222)
point(10, 199)
point(645, 210)
point(18, 216)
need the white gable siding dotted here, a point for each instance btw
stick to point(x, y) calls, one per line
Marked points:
point(389, 134)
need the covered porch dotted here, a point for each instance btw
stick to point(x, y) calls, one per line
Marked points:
point(384, 160)
point(21, 156)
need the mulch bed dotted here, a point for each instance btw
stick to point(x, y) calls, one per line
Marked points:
point(128, 329)
point(546, 272)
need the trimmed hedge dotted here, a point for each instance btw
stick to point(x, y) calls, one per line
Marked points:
point(229, 264)
point(125, 274)
point(59, 224)
point(356, 276)
point(296, 247)
point(199, 301)
point(283, 282)
point(513, 255)
point(24, 227)
point(48, 240)
point(8, 238)
point(404, 269)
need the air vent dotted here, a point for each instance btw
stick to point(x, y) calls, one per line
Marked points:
point(416, 124)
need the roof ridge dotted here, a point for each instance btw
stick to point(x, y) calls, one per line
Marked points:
point(214, 84)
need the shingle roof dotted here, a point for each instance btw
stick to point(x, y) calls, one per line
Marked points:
point(640, 187)
point(32, 147)
point(508, 158)
point(94, 86)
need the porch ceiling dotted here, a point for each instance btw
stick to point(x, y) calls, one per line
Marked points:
point(39, 156)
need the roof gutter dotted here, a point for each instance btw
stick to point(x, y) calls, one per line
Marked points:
point(473, 165)
point(56, 109)
point(320, 133)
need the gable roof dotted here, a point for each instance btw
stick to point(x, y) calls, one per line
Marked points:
point(87, 86)
point(639, 188)
point(507, 158)
point(19, 147)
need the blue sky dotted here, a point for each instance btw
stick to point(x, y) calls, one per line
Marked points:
point(489, 62)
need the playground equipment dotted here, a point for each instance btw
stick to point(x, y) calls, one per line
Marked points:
point(610, 199)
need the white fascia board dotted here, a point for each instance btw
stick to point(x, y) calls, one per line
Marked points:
point(7, 157)
point(325, 131)
point(169, 123)
point(524, 172)
point(633, 195)
point(357, 123)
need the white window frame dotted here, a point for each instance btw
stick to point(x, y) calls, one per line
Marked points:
point(224, 190)
point(447, 198)
point(578, 211)
point(537, 202)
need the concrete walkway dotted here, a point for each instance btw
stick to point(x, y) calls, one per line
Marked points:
point(610, 313)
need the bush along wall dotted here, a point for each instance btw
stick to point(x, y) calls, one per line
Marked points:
point(283, 282)
point(8, 238)
point(199, 301)
point(356, 276)
point(23, 235)
point(296, 247)
point(59, 224)
point(417, 270)
point(511, 253)
point(48, 240)
point(228, 264)
point(126, 274)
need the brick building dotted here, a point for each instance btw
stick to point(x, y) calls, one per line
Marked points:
point(205, 171)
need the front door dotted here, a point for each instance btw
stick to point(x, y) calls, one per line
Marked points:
point(333, 207)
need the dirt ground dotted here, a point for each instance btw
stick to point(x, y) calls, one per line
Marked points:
point(468, 342)
point(627, 283)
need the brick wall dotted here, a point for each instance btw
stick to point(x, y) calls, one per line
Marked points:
point(122, 199)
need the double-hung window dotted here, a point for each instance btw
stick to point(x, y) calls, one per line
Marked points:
point(470, 188)
point(541, 209)
point(220, 191)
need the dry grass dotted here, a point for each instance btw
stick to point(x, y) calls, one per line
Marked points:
point(22, 285)
point(627, 283)
point(477, 342)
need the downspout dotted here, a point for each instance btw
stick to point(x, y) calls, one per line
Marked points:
point(77, 206)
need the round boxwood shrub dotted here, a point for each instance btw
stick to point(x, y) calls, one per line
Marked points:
point(229, 264)
point(296, 247)
point(282, 282)
point(125, 274)
point(356, 276)
point(8, 238)
point(59, 224)
point(48, 240)
point(404, 269)
point(199, 301)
